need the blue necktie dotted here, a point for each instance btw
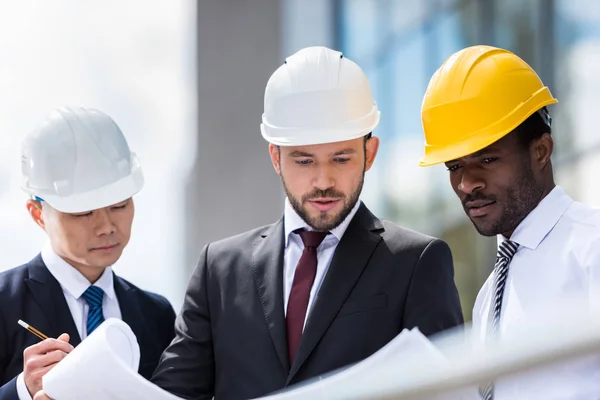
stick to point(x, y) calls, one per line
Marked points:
point(93, 296)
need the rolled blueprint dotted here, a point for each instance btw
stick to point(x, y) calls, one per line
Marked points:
point(103, 366)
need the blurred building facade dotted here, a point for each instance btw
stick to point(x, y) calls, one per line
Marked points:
point(401, 43)
point(185, 81)
point(233, 186)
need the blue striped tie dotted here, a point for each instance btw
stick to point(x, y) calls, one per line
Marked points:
point(93, 296)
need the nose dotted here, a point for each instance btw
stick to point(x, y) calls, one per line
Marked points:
point(103, 222)
point(324, 179)
point(470, 182)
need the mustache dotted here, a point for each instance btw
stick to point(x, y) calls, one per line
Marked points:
point(477, 196)
point(332, 193)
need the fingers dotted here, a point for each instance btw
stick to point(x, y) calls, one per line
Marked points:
point(41, 396)
point(40, 358)
point(64, 337)
point(48, 345)
point(37, 362)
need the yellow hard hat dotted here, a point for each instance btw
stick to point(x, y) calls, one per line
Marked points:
point(479, 95)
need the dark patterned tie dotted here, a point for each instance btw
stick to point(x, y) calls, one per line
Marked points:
point(506, 251)
point(300, 293)
point(93, 296)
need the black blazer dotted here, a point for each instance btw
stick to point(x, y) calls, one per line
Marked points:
point(31, 293)
point(231, 334)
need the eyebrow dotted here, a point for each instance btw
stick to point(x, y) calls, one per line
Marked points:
point(345, 151)
point(299, 153)
point(483, 152)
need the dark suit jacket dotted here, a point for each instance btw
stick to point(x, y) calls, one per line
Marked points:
point(31, 293)
point(231, 334)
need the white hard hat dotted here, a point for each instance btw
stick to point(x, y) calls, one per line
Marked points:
point(317, 96)
point(78, 160)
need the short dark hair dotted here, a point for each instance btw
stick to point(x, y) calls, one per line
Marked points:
point(534, 127)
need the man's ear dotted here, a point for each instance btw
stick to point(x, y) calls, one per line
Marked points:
point(35, 211)
point(275, 153)
point(371, 147)
point(541, 150)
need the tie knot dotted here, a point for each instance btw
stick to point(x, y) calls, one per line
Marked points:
point(507, 249)
point(312, 238)
point(93, 295)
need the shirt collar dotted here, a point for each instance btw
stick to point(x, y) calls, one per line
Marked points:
point(540, 221)
point(72, 280)
point(292, 221)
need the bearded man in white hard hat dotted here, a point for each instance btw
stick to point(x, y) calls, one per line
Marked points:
point(328, 284)
point(81, 176)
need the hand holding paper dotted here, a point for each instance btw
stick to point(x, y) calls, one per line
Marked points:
point(103, 366)
point(41, 396)
point(40, 358)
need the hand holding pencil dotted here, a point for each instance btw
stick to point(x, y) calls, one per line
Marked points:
point(40, 358)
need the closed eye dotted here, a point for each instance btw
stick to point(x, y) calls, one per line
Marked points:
point(87, 214)
point(121, 206)
point(341, 160)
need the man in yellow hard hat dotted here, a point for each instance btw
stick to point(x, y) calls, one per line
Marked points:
point(485, 117)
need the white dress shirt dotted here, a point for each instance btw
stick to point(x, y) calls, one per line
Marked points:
point(73, 284)
point(294, 248)
point(558, 259)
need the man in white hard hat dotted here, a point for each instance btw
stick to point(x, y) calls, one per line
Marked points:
point(81, 176)
point(328, 284)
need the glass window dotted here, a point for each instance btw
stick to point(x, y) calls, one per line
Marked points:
point(358, 26)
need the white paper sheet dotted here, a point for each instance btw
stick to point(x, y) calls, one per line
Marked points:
point(104, 366)
point(360, 381)
point(409, 367)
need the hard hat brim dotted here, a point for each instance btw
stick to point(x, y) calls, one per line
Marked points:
point(481, 140)
point(310, 136)
point(102, 197)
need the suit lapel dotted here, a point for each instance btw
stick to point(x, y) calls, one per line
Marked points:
point(48, 295)
point(267, 267)
point(131, 312)
point(350, 258)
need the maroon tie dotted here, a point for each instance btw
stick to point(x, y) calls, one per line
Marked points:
point(300, 293)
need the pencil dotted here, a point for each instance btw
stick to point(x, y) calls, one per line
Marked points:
point(32, 330)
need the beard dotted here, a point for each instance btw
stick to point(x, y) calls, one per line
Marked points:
point(324, 221)
point(517, 202)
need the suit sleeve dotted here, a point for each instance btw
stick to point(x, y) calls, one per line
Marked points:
point(433, 304)
point(8, 391)
point(187, 368)
point(170, 323)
